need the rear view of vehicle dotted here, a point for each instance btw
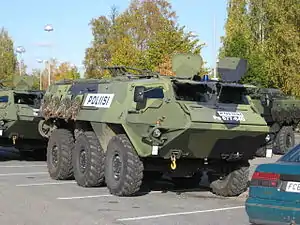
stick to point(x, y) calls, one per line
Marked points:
point(19, 117)
point(274, 194)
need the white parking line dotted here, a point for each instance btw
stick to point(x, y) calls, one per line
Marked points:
point(21, 166)
point(45, 184)
point(97, 196)
point(179, 214)
point(21, 174)
point(83, 197)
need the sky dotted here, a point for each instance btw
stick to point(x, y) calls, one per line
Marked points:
point(25, 22)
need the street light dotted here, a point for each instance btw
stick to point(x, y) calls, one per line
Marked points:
point(40, 61)
point(20, 50)
point(48, 28)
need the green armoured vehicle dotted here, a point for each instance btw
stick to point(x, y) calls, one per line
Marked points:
point(19, 120)
point(114, 130)
point(282, 114)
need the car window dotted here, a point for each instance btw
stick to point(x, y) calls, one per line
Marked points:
point(292, 155)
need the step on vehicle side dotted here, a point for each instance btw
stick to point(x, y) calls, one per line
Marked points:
point(114, 130)
point(282, 114)
point(19, 120)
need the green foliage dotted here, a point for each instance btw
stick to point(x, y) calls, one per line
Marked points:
point(145, 35)
point(267, 34)
point(65, 71)
point(36, 78)
point(8, 60)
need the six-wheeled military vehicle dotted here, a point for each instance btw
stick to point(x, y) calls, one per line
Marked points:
point(282, 114)
point(19, 121)
point(114, 130)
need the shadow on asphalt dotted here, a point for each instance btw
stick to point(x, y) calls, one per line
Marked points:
point(178, 186)
point(13, 154)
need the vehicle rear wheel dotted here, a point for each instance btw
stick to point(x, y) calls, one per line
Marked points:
point(285, 139)
point(59, 154)
point(233, 183)
point(123, 167)
point(88, 160)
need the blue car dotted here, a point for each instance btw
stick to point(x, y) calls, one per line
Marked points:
point(274, 192)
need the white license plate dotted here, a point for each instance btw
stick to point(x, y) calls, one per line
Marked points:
point(293, 187)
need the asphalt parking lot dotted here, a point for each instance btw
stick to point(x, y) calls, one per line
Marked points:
point(29, 197)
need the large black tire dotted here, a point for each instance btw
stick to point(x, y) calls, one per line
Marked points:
point(285, 139)
point(261, 152)
point(61, 143)
point(87, 147)
point(129, 180)
point(234, 184)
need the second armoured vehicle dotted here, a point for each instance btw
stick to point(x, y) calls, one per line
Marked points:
point(113, 130)
point(282, 114)
point(19, 121)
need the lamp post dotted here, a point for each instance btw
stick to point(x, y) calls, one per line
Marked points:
point(49, 28)
point(20, 50)
point(40, 61)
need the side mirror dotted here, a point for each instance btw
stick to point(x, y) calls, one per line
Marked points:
point(141, 93)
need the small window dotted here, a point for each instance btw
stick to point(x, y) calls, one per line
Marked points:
point(3, 99)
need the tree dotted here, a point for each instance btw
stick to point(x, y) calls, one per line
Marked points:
point(145, 35)
point(36, 78)
point(65, 71)
point(272, 43)
point(8, 59)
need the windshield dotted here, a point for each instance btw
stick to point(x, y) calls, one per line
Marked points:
point(233, 95)
point(192, 92)
point(82, 88)
point(27, 99)
point(201, 92)
point(292, 156)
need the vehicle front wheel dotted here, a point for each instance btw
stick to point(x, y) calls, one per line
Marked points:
point(123, 167)
point(232, 183)
point(88, 160)
point(59, 154)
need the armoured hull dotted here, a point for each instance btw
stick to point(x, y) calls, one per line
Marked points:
point(203, 132)
point(200, 142)
point(22, 129)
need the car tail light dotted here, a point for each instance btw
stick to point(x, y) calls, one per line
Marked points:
point(265, 179)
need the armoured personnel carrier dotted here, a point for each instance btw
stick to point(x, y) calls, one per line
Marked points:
point(19, 120)
point(113, 130)
point(282, 114)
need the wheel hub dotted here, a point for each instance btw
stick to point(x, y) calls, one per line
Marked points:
point(117, 166)
point(54, 156)
point(82, 160)
point(288, 141)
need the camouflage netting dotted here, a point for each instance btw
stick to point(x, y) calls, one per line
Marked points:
point(54, 107)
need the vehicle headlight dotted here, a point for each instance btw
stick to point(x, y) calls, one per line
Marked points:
point(156, 133)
